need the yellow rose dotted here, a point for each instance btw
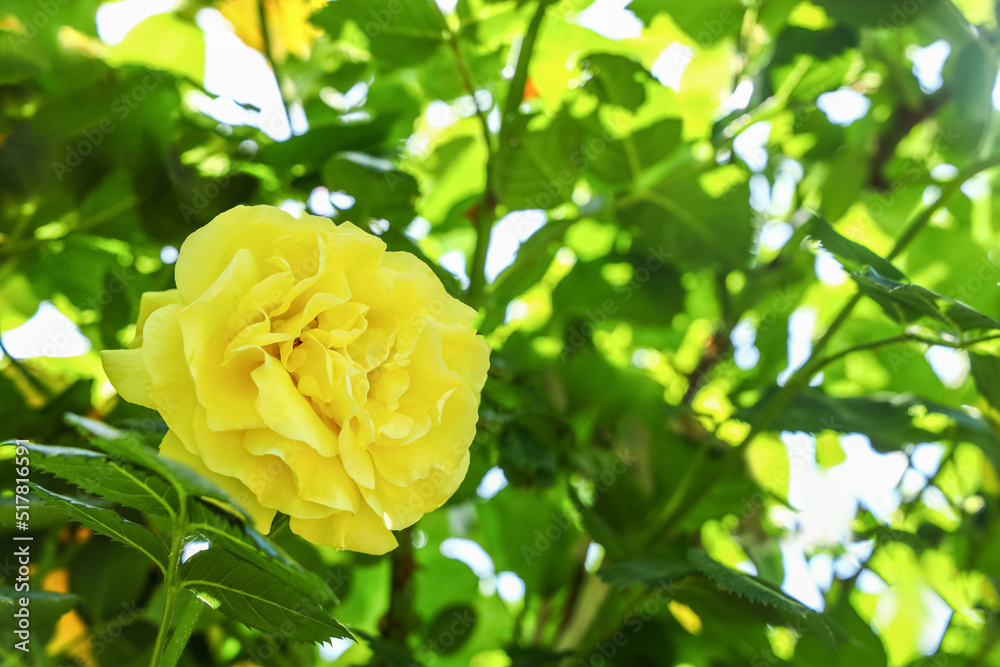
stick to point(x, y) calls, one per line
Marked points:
point(308, 371)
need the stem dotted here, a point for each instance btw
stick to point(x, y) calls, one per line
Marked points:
point(486, 213)
point(279, 77)
point(186, 622)
point(485, 218)
point(170, 586)
point(520, 79)
point(398, 619)
point(903, 338)
point(83, 225)
point(26, 373)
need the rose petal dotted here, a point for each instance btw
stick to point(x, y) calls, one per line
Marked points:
point(126, 369)
point(172, 448)
point(364, 531)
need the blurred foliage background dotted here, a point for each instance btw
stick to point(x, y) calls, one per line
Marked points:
point(736, 259)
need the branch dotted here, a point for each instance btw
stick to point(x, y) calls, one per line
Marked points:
point(486, 212)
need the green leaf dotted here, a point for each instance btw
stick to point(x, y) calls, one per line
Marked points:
point(257, 598)
point(107, 477)
point(536, 546)
point(165, 42)
point(620, 162)
point(225, 531)
point(109, 579)
point(856, 644)
point(380, 191)
point(538, 168)
point(130, 447)
point(650, 297)
point(702, 220)
point(45, 609)
point(108, 522)
point(866, 13)
point(315, 146)
point(986, 372)
point(20, 58)
point(906, 303)
point(401, 33)
point(886, 419)
point(531, 262)
point(854, 256)
point(530, 447)
point(648, 572)
point(744, 585)
point(445, 621)
point(616, 79)
point(706, 22)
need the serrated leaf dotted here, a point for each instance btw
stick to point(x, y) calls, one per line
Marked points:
point(131, 448)
point(257, 598)
point(854, 256)
point(744, 585)
point(225, 531)
point(108, 522)
point(106, 477)
point(905, 303)
point(649, 572)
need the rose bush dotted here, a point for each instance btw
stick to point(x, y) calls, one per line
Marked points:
point(309, 371)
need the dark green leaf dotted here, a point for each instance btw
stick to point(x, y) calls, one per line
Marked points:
point(108, 522)
point(107, 477)
point(856, 644)
point(538, 168)
point(379, 190)
point(456, 621)
point(854, 256)
point(616, 79)
point(706, 22)
point(400, 32)
point(906, 303)
point(225, 531)
point(744, 585)
point(130, 447)
point(257, 598)
point(886, 419)
point(986, 371)
point(646, 572)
